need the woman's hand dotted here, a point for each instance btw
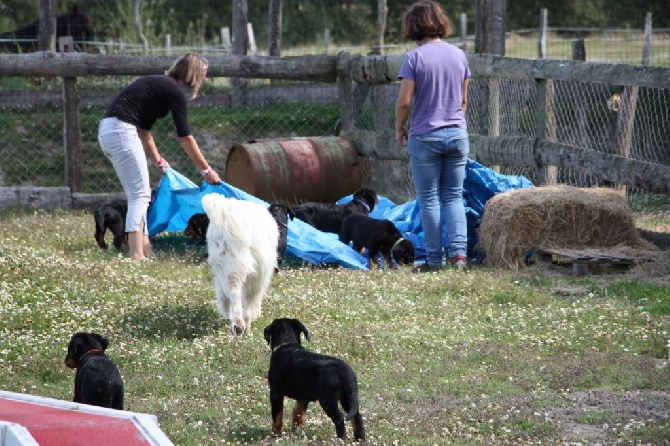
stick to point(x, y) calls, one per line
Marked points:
point(401, 136)
point(162, 164)
point(210, 176)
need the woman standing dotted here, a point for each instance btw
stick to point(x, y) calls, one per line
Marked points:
point(434, 77)
point(125, 136)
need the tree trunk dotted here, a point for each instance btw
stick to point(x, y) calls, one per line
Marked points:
point(46, 38)
point(490, 27)
point(382, 12)
point(240, 44)
point(275, 28)
point(138, 26)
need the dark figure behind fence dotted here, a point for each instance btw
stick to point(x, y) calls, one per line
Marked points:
point(24, 40)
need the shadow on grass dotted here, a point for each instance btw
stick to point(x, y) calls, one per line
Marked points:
point(177, 245)
point(176, 321)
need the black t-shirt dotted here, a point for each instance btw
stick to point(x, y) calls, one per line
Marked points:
point(149, 98)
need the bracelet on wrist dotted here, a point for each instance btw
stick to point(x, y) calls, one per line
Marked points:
point(206, 171)
point(160, 162)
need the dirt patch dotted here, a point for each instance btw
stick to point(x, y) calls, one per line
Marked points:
point(596, 417)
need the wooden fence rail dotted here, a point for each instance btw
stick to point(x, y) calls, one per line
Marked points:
point(352, 71)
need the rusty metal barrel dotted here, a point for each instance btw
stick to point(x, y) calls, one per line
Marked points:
point(290, 171)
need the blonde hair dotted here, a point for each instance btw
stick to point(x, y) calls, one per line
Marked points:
point(191, 69)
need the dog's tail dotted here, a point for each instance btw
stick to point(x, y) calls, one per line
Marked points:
point(350, 393)
point(232, 217)
point(215, 206)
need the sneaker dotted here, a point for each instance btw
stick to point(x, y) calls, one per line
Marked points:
point(426, 268)
point(459, 262)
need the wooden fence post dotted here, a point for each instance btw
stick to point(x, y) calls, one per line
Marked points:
point(581, 113)
point(625, 122)
point(464, 31)
point(646, 51)
point(326, 40)
point(226, 43)
point(490, 38)
point(578, 50)
point(345, 92)
point(544, 15)
point(545, 125)
point(71, 124)
point(251, 38)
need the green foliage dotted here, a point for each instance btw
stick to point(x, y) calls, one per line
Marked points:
point(194, 22)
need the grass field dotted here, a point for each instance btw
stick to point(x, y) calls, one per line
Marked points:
point(475, 357)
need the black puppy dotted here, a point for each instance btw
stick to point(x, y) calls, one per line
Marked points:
point(197, 225)
point(377, 237)
point(307, 377)
point(111, 215)
point(98, 381)
point(281, 214)
point(327, 217)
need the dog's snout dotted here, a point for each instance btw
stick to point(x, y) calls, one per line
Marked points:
point(69, 362)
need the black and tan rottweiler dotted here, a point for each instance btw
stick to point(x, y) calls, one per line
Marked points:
point(307, 377)
point(111, 215)
point(328, 217)
point(98, 381)
point(196, 227)
point(377, 237)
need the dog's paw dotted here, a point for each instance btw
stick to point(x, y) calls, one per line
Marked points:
point(238, 329)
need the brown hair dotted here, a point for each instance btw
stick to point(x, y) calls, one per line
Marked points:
point(425, 19)
point(191, 69)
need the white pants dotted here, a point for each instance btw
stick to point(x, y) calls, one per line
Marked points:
point(121, 143)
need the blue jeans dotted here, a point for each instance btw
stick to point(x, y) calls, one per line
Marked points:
point(438, 161)
point(122, 145)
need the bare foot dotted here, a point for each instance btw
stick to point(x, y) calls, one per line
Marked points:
point(148, 250)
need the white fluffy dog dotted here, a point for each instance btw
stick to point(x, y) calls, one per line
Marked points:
point(242, 253)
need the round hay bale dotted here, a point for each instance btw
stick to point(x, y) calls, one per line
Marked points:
point(554, 217)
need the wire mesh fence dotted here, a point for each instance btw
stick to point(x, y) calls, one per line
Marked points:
point(586, 114)
point(31, 147)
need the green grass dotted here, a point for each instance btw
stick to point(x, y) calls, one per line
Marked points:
point(483, 356)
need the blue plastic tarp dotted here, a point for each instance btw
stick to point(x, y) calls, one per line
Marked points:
point(177, 198)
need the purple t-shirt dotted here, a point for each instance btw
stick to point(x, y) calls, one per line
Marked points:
point(438, 70)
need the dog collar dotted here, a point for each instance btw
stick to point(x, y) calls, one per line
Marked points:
point(283, 344)
point(358, 200)
point(395, 245)
point(93, 350)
